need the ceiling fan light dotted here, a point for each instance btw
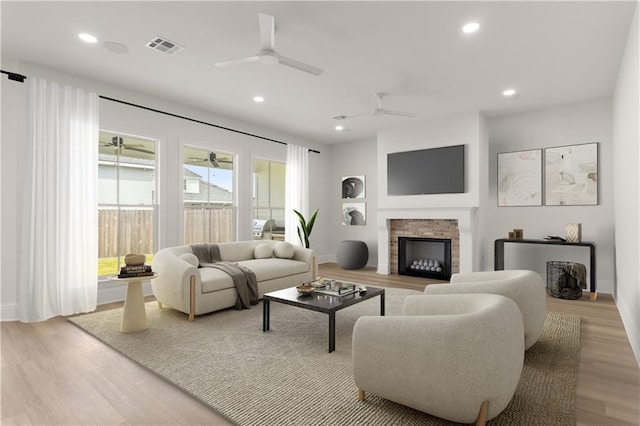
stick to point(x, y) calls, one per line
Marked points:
point(87, 38)
point(339, 127)
point(258, 99)
point(508, 93)
point(470, 27)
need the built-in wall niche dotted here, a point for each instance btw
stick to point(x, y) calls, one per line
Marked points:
point(424, 257)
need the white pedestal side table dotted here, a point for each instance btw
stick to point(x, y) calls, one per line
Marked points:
point(134, 317)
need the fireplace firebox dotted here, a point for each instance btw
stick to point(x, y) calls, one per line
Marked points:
point(424, 257)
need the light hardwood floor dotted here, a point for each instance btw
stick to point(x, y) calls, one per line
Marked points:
point(54, 373)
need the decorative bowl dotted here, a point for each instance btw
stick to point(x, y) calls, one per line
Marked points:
point(305, 289)
point(134, 259)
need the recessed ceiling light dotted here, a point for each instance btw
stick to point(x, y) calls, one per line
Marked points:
point(509, 93)
point(470, 27)
point(88, 38)
point(339, 128)
point(258, 99)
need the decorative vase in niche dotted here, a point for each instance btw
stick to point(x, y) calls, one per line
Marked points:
point(573, 232)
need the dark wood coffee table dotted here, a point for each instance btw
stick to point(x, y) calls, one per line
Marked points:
point(319, 303)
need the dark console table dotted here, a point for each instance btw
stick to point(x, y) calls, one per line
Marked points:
point(498, 258)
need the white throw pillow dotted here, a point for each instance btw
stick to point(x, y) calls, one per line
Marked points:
point(190, 258)
point(283, 250)
point(262, 251)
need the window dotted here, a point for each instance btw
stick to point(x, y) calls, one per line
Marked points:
point(127, 188)
point(268, 199)
point(209, 214)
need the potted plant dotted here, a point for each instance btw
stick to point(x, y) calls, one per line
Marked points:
point(305, 227)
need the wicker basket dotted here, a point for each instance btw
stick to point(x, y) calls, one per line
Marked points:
point(560, 282)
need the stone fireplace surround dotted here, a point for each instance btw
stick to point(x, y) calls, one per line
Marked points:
point(436, 222)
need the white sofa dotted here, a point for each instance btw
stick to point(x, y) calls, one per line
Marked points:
point(457, 356)
point(181, 285)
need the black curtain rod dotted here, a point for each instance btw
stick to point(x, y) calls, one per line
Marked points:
point(20, 78)
point(14, 76)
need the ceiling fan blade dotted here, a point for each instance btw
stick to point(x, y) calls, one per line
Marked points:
point(236, 61)
point(398, 113)
point(196, 160)
point(299, 65)
point(358, 115)
point(133, 148)
point(267, 31)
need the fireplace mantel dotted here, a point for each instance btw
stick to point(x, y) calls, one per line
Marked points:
point(466, 220)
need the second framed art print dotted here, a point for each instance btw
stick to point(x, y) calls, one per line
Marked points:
point(571, 175)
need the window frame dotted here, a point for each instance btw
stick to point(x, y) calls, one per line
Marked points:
point(119, 207)
point(211, 207)
point(254, 196)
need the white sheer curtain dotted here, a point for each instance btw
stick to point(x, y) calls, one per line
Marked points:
point(59, 253)
point(297, 190)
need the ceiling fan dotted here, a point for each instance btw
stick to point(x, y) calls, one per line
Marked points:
point(118, 144)
point(267, 54)
point(212, 159)
point(378, 110)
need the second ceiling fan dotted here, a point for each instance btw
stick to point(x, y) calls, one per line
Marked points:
point(211, 160)
point(378, 109)
point(268, 54)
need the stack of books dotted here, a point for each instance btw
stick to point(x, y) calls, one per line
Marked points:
point(135, 271)
point(341, 289)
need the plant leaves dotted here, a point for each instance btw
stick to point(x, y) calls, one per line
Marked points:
point(305, 227)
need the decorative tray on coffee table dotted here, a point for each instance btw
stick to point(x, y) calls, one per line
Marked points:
point(333, 287)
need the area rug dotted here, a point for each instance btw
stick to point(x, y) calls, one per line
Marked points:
point(286, 376)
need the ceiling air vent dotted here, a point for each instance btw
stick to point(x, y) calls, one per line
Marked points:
point(163, 45)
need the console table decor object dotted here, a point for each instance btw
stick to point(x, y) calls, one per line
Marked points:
point(498, 258)
point(573, 232)
point(134, 316)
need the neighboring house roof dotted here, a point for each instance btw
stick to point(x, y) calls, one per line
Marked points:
point(124, 161)
point(189, 173)
point(216, 194)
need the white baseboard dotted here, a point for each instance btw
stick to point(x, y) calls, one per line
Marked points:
point(9, 312)
point(110, 291)
point(331, 258)
point(631, 326)
point(326, 258)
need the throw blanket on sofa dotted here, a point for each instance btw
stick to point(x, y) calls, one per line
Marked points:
point(243, 278)
point(206, 253)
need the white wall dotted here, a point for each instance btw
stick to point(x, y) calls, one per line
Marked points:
point(172, 133)
point(447, 131)
point(627, 187)
point(353, 159)
point(14, 112)
point(464, 129)
point(563, 125)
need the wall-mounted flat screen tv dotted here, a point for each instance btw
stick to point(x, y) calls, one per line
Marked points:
point(426, 171)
